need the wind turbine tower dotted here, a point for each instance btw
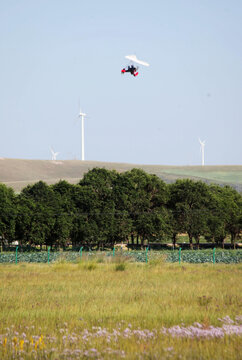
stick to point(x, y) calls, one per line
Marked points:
point(53, 154)
point(82, 116)
point(202, 144)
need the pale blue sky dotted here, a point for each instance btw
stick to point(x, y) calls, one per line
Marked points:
point(53, 52)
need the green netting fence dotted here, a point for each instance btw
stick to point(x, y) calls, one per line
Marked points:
point(145, 256)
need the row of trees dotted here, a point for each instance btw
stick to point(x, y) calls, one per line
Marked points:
point(106, 207)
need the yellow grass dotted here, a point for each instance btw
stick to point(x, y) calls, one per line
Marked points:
point(42, 300)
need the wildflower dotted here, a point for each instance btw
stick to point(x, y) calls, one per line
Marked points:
point(226, 320)
point(5, 342)
point(232, 329)
point(21, 344)
point(40, 343)
point(238, 319)
point(169, 348)
point(15, 340)
point(198, 325)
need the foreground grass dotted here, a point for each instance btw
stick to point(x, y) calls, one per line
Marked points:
point(65, 299)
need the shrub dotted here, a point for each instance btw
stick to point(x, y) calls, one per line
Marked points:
point(90, 266)
point(120, 267)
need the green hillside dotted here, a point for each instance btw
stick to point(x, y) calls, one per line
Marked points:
point(226, 174)
point(18, 173)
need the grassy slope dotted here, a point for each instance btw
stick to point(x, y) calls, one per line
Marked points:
point(18, 173)
point(63, 299)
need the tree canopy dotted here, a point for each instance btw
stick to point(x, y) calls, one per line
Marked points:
point(107, 207)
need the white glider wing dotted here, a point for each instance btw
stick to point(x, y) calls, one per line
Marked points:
point(134, 59)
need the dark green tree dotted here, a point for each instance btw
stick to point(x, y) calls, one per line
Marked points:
point(231, 203)
point(43, 214)
point(189, 202)
point(65, 211)
point(25, 208)
point(216, 230)
point(226, 215)
point(7, 214)
point(101, 211)
point(144, 197)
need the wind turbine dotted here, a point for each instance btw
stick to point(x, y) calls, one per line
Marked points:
point(54, 154)
point(202, 143)
point(82, 116)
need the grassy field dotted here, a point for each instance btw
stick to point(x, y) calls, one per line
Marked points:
point(223, 174)
point(120, 310)
point(18, 173)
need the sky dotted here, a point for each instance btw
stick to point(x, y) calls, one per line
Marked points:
point(57, 54)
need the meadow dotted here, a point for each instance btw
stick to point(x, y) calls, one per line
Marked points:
point(114, 309)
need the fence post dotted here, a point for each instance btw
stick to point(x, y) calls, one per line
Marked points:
point(80, 251)
point(113, 251)
point(16, 256)
point(48, 254)
point(146, 254)
point(179, 255)
point(214, 256)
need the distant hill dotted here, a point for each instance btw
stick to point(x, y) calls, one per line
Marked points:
point(18, 173)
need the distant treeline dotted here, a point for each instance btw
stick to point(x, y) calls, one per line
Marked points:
point(107, 207)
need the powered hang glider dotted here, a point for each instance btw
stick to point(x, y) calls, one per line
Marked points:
point(133, 68)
